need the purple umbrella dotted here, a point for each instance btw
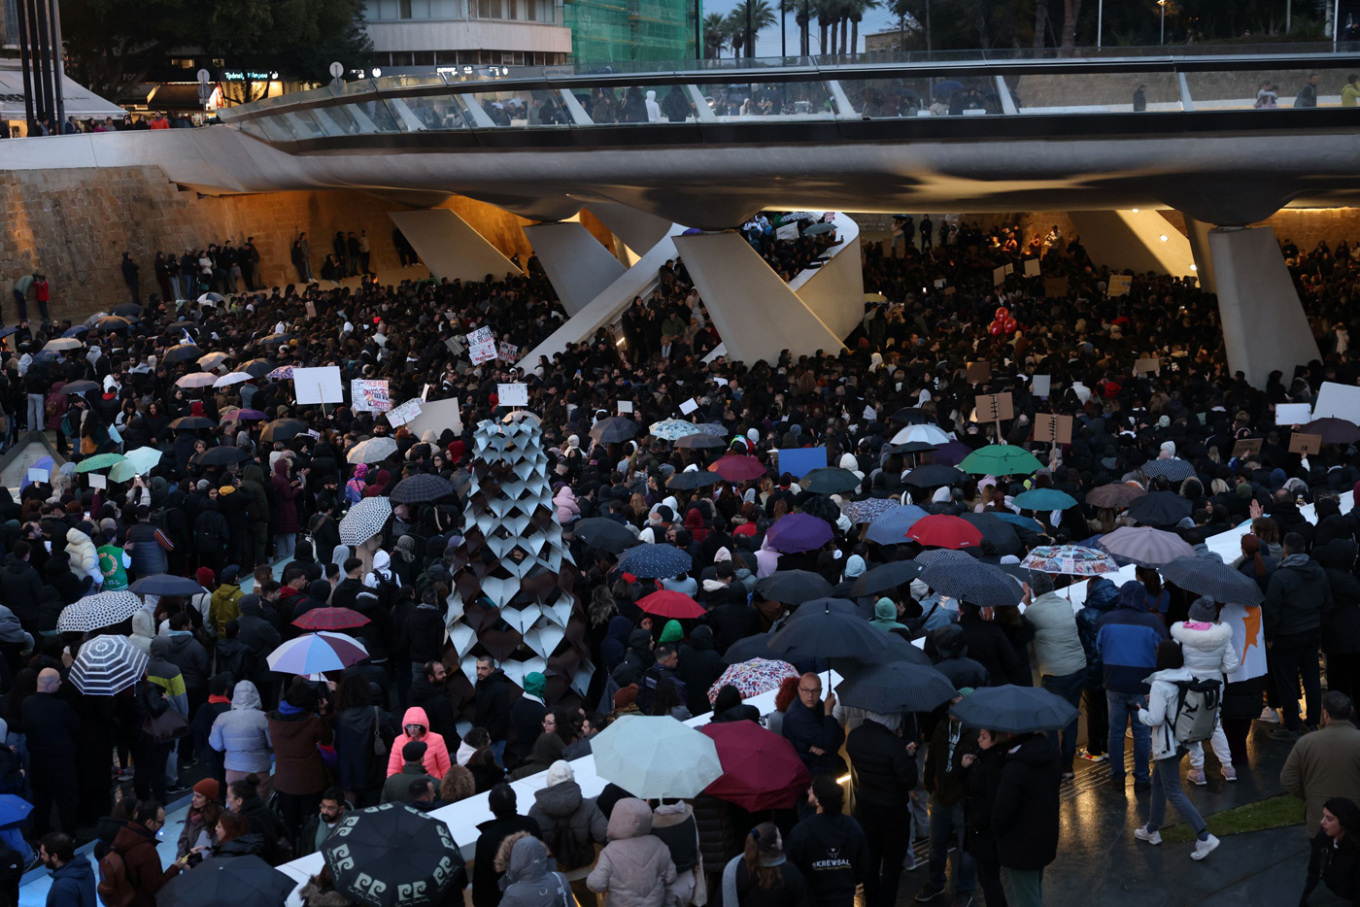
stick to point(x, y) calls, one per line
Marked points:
point(798, 532)
point(952, 454)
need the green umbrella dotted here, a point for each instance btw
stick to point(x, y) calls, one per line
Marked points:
point(138, 461)
point(1001, 460)
point(99, 461)
point(1044, 499)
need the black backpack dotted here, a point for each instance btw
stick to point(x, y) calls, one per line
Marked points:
point(566, 849)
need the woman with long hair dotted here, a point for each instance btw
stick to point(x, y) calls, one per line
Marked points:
point(761, 876)
point(1335, 857)
point(359, 769)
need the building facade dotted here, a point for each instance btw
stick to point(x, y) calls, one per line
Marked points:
point(419, 35)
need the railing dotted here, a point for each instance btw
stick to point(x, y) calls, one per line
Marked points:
point(806, 90)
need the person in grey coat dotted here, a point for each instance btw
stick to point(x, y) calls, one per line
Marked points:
point(242, 735)
point(1062, 660)
point(527, 881)
point(561, 803)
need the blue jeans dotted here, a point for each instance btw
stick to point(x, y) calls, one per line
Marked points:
point(1123, 711)
point(1068, 686)
point(1166, 786)
point(947, 822)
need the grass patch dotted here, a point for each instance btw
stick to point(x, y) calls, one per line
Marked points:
point(1276, 812)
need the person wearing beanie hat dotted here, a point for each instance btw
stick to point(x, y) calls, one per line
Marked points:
point(526, 718)
point(398, 786)
point(854, 567)
point(225, 605)
point(205, 577)
point(885, 616)
point(571, 822)
point(196, 833)
point(625, 700)
point(672, 632)
point(1206, 646)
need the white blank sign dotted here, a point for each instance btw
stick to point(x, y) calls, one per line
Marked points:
point(318, 385)
point(1337, 401)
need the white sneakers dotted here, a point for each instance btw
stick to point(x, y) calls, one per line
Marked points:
point(1204, 848)
point(1152, 837)
point(1269, 715)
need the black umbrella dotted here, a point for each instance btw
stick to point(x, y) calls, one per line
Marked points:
point(973, 582)
point(379, 855)
point(689, 481)
point(80, 387)
point(700, 441)
point(747, 648)
point(830, 635)
point(792, 587)
point(258, 368)
point(220, 456)
point(822, 605)
point(655, 561)
point(933, 475)
point(605, 534)
point(191, 423)
point(899, 649)
point(184, 352)
point(245, 879)
point(1015, 710)
point(911, 447)
point(166, 584)
point(614, 430)
point(830, 480)
point(1000, 533)
point(127, 310)
point(1172, 469)
point(420, 488)
point(1206, 576)
point(1160, 508)
point(1333, 431)
point(282, 430)
point(894, 688)
point(886, 577)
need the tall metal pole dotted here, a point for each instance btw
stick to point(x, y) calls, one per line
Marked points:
point(1100, 21)
point(750, 38)
point(43, 69)
point(783, 31)
point(58, 64)
point(22, 7)
point(1162, 4)
point(1336, 23)
point(698, 31)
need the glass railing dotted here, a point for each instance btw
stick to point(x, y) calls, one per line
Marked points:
point(803, 89)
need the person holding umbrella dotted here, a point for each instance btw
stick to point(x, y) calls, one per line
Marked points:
point(810, 725)
point(1161, 713)
point(951, 745)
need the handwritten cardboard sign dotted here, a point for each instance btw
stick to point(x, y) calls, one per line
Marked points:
point(1147, 367)
point(995, 408)
point(1303, 444)
point(1247, 448)
point(1053, 429)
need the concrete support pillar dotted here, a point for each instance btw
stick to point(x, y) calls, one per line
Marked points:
point(755, 312)
point(1140, 240)
point(1199, 244)
point(1264, 327)
point(638, 229)
point(450, 247)
point(578, 267)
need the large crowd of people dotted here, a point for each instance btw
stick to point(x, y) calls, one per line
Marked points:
point(250, 486)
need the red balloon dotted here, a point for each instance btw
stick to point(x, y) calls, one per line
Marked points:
point(1001, 313)
point(995, 328)
point(1011, 325)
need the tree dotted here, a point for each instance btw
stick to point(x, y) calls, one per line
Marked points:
point(857, 10)
point(758, 14)
point(715, 36)
point(111, 42)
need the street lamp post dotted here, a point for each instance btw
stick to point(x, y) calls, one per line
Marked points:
point(1162, 4)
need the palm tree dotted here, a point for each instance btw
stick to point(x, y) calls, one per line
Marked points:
point(857, 10)
point(759, 14)
point(715, 36)
point(735, 28)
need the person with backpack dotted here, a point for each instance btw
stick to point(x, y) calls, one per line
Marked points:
point(1167, 702)
point(211, 535)
point(130, 874)
point(570, 823)
point(1206, 645)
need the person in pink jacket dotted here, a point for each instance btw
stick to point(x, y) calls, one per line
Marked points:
point(415, 726)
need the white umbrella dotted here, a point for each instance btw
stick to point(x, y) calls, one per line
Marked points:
point(210, 298)
point(62, 344)
point(365, 520)
point(211, 361)
point(656, 757)
point(921, 434)
point(232, 378)
point(108, 665)
point(93, 612)
point(374, 450)
point(196, 381)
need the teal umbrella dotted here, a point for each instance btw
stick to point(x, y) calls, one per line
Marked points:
point(1044, 499)
point(99, 461)
point(1001, 460)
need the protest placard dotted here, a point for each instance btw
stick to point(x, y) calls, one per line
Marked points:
point(400, 415)
point(318, 385)
point(1303, 443)
point(1052, 429)
point(370, 395)
point(799, 461)
point(512, 394)
point(994, 407)
point(1031, 267)
point(1247, 447)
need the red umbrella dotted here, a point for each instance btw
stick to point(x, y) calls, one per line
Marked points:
point(944, 531)
point(761, 770)
point(671, 604)
point(738, 467)
point(330, 619)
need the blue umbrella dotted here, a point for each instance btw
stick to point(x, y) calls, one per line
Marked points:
point(75, 331)
point(1018, 521)
point(1044, 499)
point(655, 561)
point(13, 808)
point(891, 528)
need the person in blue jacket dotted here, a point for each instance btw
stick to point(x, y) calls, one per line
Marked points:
point(1101, 597)
point(72, 877)
point(1127, 640)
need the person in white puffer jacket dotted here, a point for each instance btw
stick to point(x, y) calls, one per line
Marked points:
point(1209, 655)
